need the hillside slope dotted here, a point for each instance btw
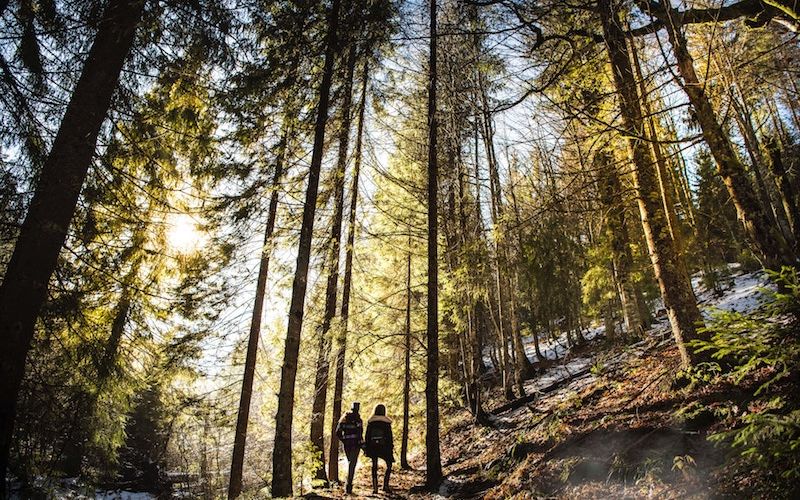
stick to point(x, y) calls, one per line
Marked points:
point(613, 423)
point(606, 420)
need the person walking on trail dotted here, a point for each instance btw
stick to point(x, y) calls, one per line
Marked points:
point(349, 431)
point(378, 444)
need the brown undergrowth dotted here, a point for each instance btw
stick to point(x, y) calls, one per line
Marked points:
point(622, 431)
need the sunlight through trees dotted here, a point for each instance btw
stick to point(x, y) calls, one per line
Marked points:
point(225, 226)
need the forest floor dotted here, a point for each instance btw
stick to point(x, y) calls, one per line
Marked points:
point(606, 421)
point(610, 424)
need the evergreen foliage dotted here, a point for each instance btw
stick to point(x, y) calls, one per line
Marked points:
point(177, 245)
point(762, 347)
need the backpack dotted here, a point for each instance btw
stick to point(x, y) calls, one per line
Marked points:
point(378, 435)
point(349, 431)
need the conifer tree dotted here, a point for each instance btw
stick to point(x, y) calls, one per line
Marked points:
point(669, 269)
point(45, 227)
point(282, 452)
point(433, 474)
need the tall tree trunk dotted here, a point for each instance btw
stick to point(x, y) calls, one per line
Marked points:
point(533, 325)
point(661, 162)
point(475, 348)
point(407, 365)
point(753, 147)
point(332, 285)
point(242, 419)
point(670, 273)
point(282, 451)
point(480, 307)
point(785, 190)
point(451, 335)
point(617, 233)
point(507, 370)
point(521, 361)
point(768, 244)
point(205, 472)
point(777, 122)
point(682, 175)
point(743, 116)
point(466, 365)
point(338, 387)
point(608, 320)
point(44, 230)
point(433, 473)
point(527, 278)
point(522, 365)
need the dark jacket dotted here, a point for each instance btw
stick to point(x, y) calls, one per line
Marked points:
point(378, 441)
point(349, 430)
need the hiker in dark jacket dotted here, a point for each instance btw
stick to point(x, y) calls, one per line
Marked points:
point(349, 431)
point(378, 444)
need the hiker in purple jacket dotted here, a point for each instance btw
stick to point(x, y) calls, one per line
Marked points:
point(378, 444)
point(349, 431)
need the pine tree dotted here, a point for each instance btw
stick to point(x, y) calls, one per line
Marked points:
point(282, 452)
point(44, 230)
point(669, 269)
point(433, 474)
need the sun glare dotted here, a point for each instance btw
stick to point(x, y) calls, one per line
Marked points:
point(183, 234)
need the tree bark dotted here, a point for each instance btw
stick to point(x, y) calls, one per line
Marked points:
point(617, 233)
point(522, 367)
point(338, 388)
point(242, 419)
point(510, 371)
point(407, 366)
point(753, 147)
point(282, 451)
point(433, 473)
point(472, 361)
point(785, 190)
point(661, 162)
point(682, 176)
point(332, 284)
point(506, 369)
point(528, 286)
point(768, 244)
point(44, 229)
point(743, 117)
point(670, 273)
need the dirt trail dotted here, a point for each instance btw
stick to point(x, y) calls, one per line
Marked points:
point(404, 484)
point(601, 422)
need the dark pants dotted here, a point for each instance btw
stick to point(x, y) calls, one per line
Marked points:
point(385, 476)
point(352, 461)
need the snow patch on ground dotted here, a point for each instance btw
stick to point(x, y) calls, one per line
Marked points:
point(742, 292)
point(558, 373)
point(122, 495)
point(71, 488)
